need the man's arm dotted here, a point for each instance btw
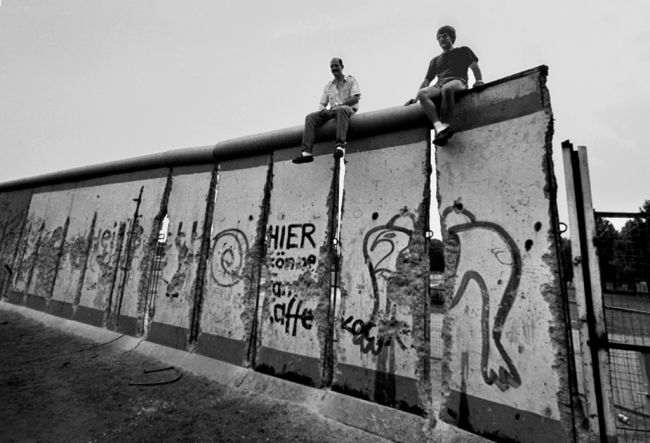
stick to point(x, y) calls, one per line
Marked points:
point(477, 74)
point(324, 100)
point(428, 78)
point(352, 100)
point(426, 82)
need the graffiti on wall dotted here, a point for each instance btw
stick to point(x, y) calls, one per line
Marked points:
point(28, 253)
point(229, 249)
point(290, 314)
point(289, 247)
point(463, 230)
point(105, 245)
point(9, 231)
point(39, 260)
point(10, 228)
point(291, 252)
point(382, 246)
point(363, 337)
point(184, 255)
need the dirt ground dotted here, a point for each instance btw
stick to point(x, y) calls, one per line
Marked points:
point(62, 388)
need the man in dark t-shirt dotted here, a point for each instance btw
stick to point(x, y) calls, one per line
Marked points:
point(450, 68)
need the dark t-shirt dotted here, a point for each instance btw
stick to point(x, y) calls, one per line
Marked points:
point(451, 65)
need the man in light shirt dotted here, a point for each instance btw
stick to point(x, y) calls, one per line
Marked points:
point(340, 101)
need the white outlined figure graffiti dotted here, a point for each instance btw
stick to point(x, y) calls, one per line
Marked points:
point(382, 246)
point(229, 249)
point(476, 261)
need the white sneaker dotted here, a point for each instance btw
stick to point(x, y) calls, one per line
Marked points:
point(440, 127)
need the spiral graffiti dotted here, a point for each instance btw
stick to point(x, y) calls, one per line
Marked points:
point(229, 249)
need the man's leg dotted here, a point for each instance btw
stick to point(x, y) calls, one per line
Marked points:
point(426, 97)
point(449, 91)
point(313, 121)
point(343, 114)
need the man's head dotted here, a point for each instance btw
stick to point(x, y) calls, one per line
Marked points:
point(336, 66)
point(446, 37)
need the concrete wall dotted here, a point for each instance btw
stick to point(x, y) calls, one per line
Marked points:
point(247, 270)
point(174, 282)
point(381, 347)
point(80, 238)
point(228, 316)
point(295, 287)
point(46, 228)
point(126, 208)
point(13, 212)
point(82, 251)
point(504, 331)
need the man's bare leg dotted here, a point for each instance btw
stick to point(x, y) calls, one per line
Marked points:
point(449, 91)
point(426, 97)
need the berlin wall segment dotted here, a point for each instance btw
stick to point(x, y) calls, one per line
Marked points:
point(294, 326)
point(267, 272)
point(229, 313)
point(14, 206)
point(381, 338)
point(77, 274)
point(47, 219)
point(126, 208)
point(505, 349)
point(168, 290)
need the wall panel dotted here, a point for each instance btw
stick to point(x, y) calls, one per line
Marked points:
point(171, 287)
point(228, 312)
point(503, 332)
point(380, 327)
point(107, 294)
point(295, 295)
point(14, 207)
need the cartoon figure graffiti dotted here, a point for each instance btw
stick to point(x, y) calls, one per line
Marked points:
point(487, 256)
point(382, 246)
point(229, 250)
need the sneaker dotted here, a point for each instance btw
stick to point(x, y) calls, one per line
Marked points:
point(303, 157)
point(440, 126)
point(339, 151)
point(443, 136)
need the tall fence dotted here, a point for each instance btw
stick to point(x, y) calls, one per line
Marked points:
point(609, 259)
point(319, 273)
point(624, 264)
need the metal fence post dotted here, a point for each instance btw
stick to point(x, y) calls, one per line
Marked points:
point(591, 320)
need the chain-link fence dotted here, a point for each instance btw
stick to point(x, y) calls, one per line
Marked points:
point(623, 245)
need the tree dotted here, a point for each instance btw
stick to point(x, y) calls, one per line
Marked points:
point(632, 251)
point(606, 242)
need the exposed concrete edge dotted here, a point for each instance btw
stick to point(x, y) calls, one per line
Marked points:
point(373, 418)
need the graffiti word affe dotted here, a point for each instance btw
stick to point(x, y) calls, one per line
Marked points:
point(291, 236)
point(284, 314)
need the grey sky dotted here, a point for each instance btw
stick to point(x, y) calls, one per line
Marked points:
point(90, 81)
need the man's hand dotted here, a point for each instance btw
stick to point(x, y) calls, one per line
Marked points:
point(411, 102)
point(478, 83)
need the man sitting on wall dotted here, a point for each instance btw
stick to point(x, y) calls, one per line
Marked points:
point(342, 95)
point(451, 69)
